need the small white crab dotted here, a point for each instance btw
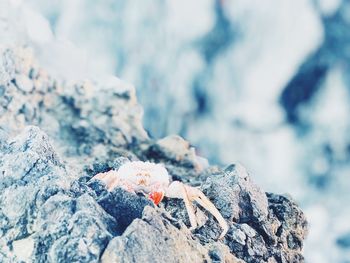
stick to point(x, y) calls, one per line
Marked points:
point(153, 180)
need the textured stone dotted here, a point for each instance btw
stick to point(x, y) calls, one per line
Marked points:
point(154, 239)
point(55, 136)
point(237, 197)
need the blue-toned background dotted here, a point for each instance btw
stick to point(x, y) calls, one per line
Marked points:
point(265, 83)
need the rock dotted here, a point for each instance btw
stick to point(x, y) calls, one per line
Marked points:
point(123, 206)
point(237, 197)
point(174, 148)
point(218, 252)
point(291, 224)
point(38, 210)
point(56, 136)
point(74, 230)
point(154, 239)
point(29, 164)
point(238, 235)
point(256, 232)
point(91, 119)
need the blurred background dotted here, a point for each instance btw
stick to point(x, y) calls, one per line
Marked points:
point(264, 83)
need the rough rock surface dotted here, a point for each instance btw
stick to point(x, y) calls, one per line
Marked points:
point(54, 136)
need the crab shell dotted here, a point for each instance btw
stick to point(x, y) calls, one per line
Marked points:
point(146, 177)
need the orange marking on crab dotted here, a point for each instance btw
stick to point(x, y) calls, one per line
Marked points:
point(156, 197)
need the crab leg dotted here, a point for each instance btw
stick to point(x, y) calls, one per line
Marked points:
point(187, 193)
point(189, 208)
point(112, 181)
point(177, 190)
point(198, 196)
point(108, 178)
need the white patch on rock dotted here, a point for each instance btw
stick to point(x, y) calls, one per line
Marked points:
point(23, 248)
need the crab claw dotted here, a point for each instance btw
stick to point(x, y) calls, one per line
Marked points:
point(156, 197)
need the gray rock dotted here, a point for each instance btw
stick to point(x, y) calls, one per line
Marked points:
point(174, 149)
point(28, 165)
point(123, 206)
point(154, 239)
point(55, 136)
point(37, 202)
point(72, 230)
point(218, 252)
point(238, 235)
point(291, 227)
point(96, 120)
point(237, 197)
